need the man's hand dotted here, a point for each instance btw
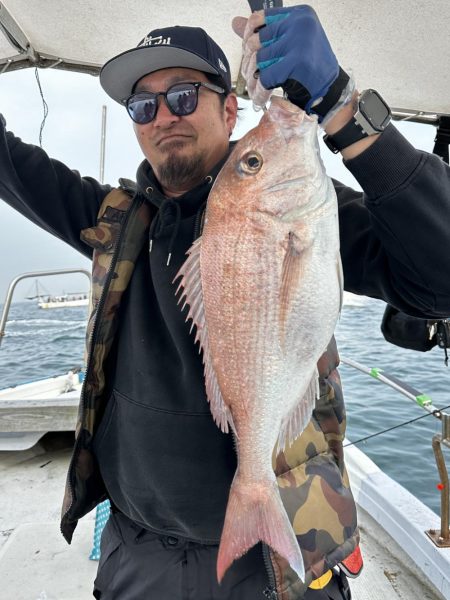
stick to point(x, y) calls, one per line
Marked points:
point(247, 29)
point(288, 47)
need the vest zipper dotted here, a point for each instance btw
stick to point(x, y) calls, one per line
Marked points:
point(135, 205)
point(271, 591)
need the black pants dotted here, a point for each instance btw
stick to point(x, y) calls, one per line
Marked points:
point(137, 564)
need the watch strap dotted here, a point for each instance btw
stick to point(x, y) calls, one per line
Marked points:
point(349, 134)
point(331, 98)
point(299, 95)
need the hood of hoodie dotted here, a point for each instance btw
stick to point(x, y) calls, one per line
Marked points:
point(149, 186)
point(172, 210)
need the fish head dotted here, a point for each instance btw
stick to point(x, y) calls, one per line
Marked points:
point(270, 164)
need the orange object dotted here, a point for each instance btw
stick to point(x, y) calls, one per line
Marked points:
point(353, 564)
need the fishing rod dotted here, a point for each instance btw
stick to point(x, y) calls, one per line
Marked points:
point(423, 400)
point(440, 538)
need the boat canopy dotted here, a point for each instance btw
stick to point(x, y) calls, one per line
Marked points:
point(400, 48)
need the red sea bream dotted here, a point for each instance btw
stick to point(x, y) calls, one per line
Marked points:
point(264, 288)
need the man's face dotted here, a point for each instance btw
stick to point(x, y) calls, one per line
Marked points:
point(182, 150)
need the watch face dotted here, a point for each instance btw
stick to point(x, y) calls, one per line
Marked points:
point(374, 109)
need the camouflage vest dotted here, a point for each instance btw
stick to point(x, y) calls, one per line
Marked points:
point(311, 475)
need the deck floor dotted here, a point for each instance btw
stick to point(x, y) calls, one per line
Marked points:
point(388, 571)
point(36, 563)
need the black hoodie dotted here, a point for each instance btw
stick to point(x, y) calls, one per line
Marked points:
point(164, 462)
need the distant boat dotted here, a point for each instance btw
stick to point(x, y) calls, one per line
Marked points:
point(47, 300)
point(65, 301)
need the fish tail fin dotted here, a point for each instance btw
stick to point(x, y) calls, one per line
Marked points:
point(256, 513)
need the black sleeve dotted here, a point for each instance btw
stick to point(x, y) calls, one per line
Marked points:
point(47, 192)
point(395, 237)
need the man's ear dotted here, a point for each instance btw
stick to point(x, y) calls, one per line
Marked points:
point(231, 108)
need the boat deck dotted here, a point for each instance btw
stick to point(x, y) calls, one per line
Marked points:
point(388, 571)
point(37, 564)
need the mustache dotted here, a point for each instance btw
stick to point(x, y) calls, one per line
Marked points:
point(175, 132)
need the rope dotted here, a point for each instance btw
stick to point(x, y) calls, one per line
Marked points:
point(44, 104)
point(368, 437)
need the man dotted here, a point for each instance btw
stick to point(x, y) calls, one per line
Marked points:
point(146, 439)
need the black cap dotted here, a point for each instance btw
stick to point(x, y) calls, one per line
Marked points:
point(178, 46)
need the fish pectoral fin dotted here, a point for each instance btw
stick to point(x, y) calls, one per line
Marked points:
point(298, 418)
point(192, 294)
point(291, 272)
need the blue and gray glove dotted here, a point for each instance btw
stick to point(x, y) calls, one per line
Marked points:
point(293, 52)
point(297, 56)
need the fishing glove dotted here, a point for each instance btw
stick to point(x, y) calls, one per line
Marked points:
point(293, 52)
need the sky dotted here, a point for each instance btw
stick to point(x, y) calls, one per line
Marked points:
point(72, 135)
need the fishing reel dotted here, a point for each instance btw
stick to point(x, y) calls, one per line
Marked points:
point(440, 330)
point(413, 333)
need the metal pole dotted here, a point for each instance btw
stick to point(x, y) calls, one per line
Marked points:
point(102, 145)
point(442, 540)
point(16, 280)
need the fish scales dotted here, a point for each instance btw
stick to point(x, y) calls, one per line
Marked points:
point(267, 268)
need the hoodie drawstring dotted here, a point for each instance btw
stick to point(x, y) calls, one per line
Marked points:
point(169, 212)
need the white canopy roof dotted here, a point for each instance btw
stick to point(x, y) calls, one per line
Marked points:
point(400, 48)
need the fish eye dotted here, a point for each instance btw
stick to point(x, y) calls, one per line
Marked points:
point(251, 162)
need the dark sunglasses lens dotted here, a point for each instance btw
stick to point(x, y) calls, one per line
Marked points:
point(142, 108)
point(182, 99)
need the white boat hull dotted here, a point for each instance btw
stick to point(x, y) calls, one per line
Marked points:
point(64, 303)
point(30, 410)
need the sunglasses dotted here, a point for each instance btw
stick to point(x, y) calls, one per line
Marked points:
point(181, 99)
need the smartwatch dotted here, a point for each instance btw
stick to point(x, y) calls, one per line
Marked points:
point(372, 117)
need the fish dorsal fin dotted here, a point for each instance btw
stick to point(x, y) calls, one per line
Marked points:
point(298, 418)
point(191, 283)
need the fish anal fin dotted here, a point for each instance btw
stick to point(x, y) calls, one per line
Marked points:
point(192, 295)
point(221, 413)
point(298, 418)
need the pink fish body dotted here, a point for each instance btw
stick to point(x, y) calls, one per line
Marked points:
point(264, 289)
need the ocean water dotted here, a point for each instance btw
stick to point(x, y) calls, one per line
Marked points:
point(42, 343)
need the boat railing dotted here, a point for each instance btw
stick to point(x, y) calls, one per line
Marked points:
point(440, 537)
point(16, 280)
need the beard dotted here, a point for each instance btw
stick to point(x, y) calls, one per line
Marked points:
point(180, 170)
